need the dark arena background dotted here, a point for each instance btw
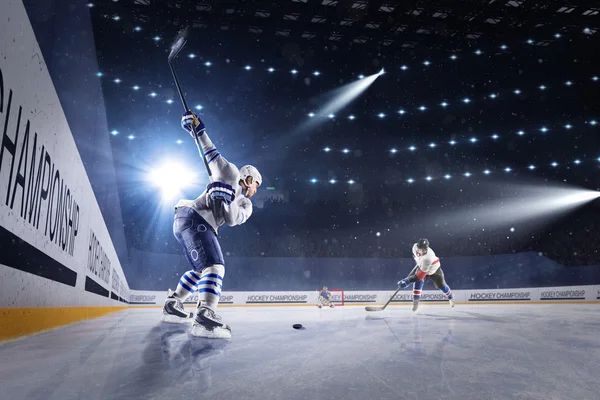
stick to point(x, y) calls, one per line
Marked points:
point(373, 123)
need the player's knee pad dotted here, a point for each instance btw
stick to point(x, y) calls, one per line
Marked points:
point(205, 254)
point(202, 247)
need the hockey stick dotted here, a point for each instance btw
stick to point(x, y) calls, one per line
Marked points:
point(377, 308)
point(180, 41)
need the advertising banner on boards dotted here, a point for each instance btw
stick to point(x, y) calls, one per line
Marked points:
point(53, 236)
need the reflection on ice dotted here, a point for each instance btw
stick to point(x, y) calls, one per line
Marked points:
point(471, 352)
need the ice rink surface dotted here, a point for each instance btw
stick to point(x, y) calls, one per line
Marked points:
point(472, 352)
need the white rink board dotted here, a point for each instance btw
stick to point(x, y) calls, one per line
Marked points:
point(55, 247)
point(494, 296)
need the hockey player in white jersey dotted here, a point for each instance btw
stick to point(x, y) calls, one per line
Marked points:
point(226, 200)
point(428, 265)
point(324, 298)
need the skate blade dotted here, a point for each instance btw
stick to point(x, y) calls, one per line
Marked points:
point(174, 319)
point(217, 333)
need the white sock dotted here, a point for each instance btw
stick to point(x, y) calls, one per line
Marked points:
point(209, 286)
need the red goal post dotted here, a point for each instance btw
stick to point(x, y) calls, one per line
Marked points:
point(337, 296)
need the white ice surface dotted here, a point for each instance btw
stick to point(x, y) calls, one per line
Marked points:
point(472, 352)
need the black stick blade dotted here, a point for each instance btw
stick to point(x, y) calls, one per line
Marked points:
point(373, 308)
point(178, 43)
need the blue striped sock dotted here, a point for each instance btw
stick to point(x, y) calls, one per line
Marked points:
point(187, 285)
point(209, 286)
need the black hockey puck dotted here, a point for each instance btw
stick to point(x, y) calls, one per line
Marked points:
point(297, 326)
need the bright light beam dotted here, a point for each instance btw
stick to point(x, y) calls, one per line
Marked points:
point(526, 203)
point(344, 95)
point(333, 101)
point(171, 178)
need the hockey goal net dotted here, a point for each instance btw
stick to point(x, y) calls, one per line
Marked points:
point(337, 296)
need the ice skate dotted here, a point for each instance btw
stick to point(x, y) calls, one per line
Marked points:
point(331, 305)
point(415, 305)
point(208, 324)
point(173, 311)
point(452, 302)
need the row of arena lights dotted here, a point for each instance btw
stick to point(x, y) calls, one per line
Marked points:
point(467, 174)
point(151, 94)
point(411, 148)
point(452, 142)
point(115, 132)
point(443, 104)
point(333, 181)
point(250, 68)
point(402, 111)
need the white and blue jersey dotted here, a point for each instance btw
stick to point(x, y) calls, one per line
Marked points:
point(325, 294)
point(218, 213)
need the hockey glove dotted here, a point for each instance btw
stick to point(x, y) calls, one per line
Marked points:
point(221, 191)
point(190, 118)
point(404, 283)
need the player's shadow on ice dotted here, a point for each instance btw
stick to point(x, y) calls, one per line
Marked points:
point(457, 316)
point(375, 317)
point(470, 316)
point(171, 358)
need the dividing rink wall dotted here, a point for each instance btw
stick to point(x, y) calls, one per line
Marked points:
point(563, 294)
point(58, 264)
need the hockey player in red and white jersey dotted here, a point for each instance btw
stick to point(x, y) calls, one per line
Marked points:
point(428, 265)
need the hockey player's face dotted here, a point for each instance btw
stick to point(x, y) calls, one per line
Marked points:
point(250, 187)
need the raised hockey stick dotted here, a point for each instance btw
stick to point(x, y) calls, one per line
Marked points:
point(377, 308)
point(178, 43)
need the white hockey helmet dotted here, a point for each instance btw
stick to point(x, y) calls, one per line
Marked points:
point(249, 170)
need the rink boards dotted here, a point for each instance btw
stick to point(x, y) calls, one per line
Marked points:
point(58, 264)
point(567, 294)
